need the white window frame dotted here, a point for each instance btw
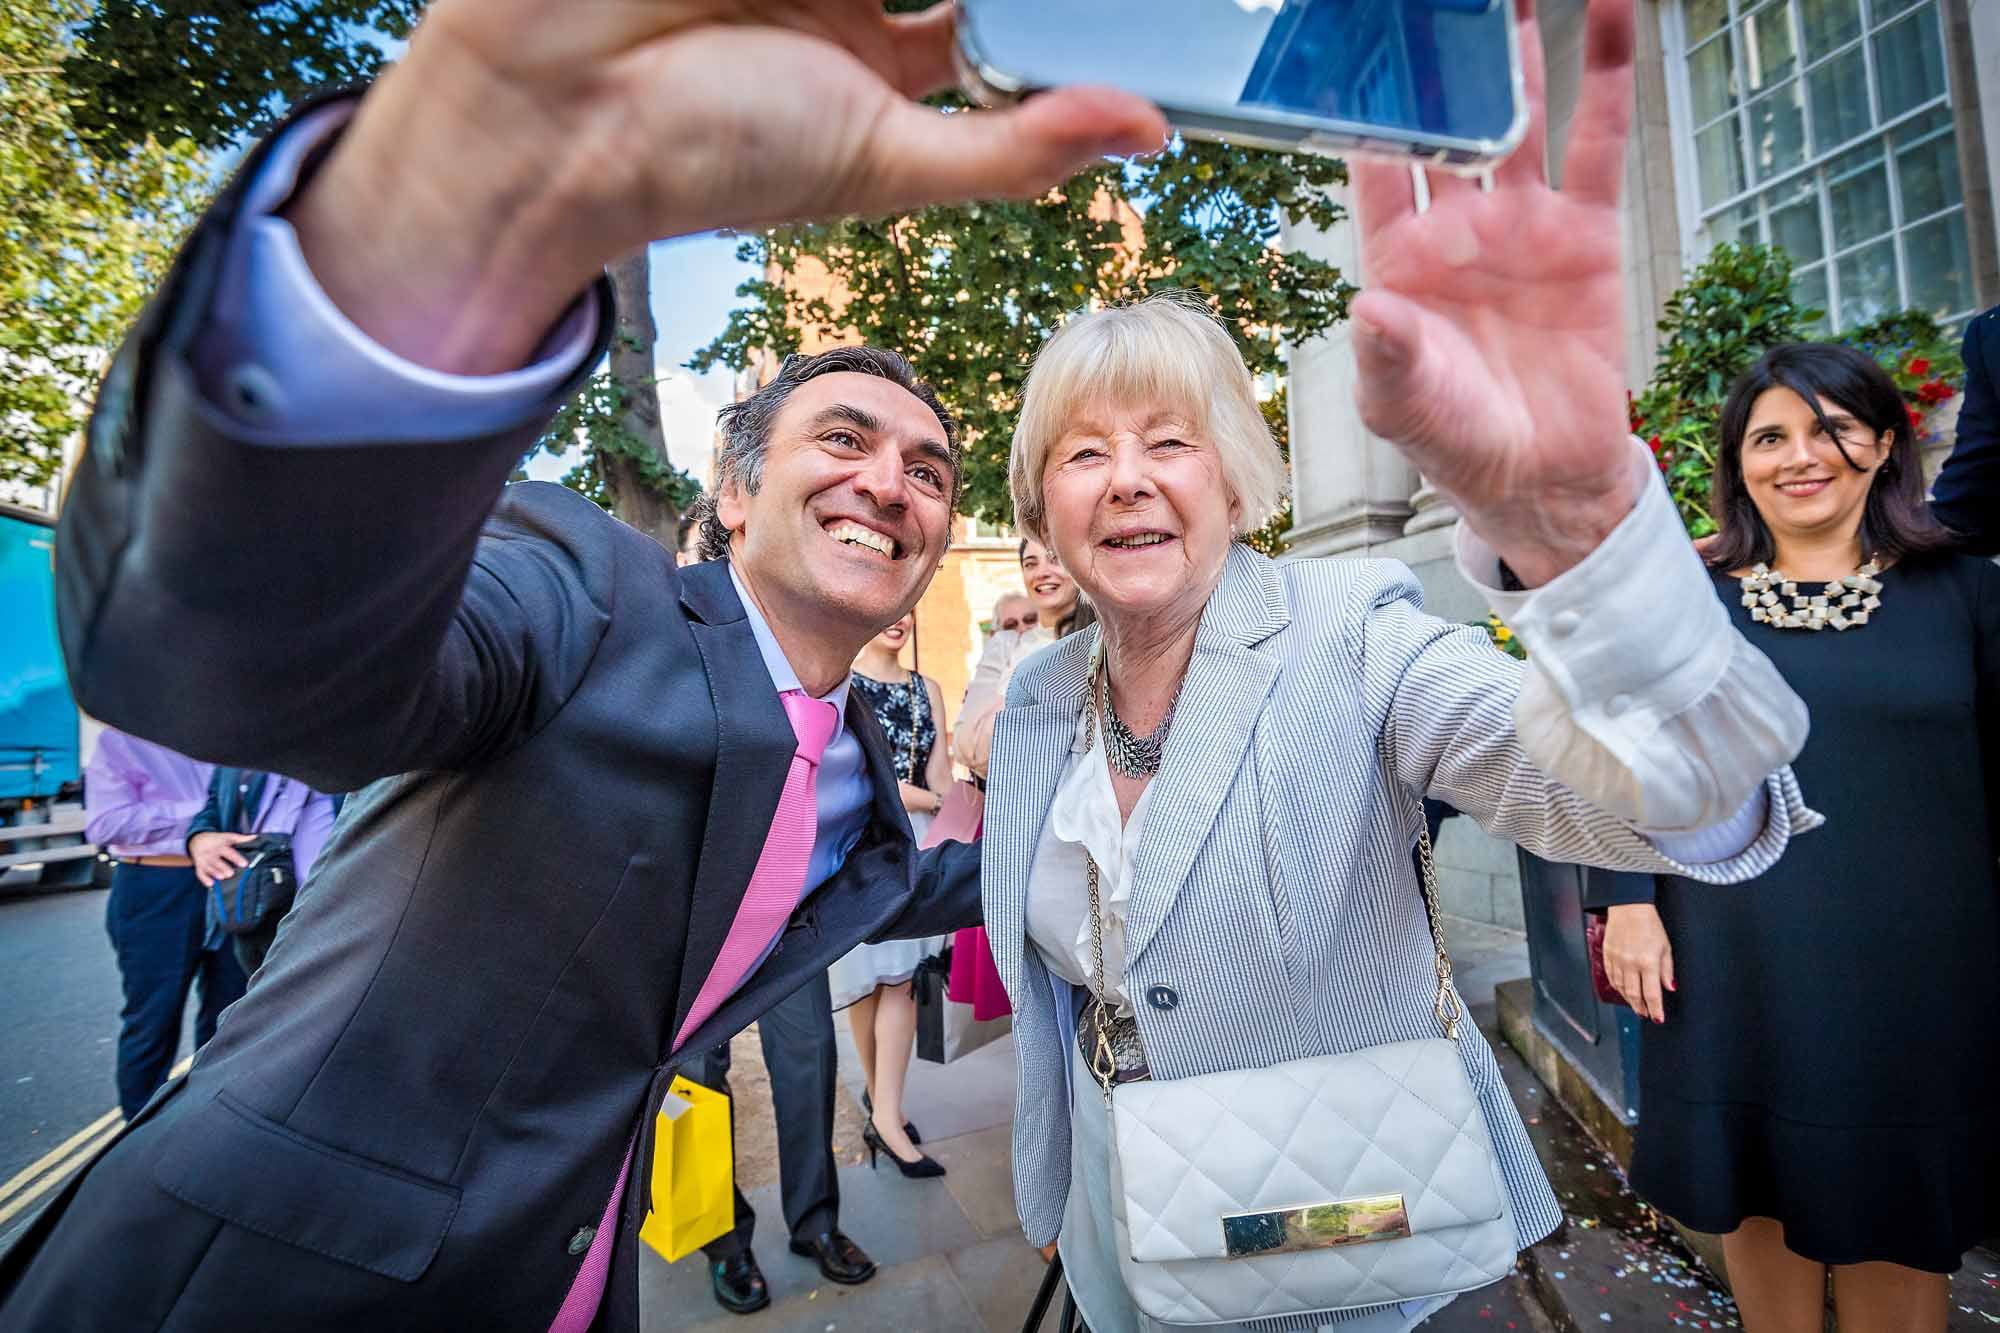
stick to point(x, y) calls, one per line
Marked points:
point(1687, 164)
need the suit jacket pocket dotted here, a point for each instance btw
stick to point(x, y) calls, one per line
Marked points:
point(244, 1168)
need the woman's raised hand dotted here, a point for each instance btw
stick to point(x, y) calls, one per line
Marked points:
point(1491, 333)
point(522, 145)
point(1638, 960)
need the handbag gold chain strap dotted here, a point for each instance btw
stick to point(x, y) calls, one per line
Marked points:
point(1103, 1060)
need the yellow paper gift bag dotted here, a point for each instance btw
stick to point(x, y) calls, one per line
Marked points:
point(691, 1199)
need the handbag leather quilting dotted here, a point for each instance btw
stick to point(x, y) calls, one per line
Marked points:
point(1400, 1119)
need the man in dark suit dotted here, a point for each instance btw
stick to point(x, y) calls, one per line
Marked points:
point(1966, 496)
point(613, 810)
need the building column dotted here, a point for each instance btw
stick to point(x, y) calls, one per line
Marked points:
point(1972, 45)
point(1350, 489)
point(1429, 509)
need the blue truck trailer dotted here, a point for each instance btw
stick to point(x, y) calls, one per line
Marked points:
point(41, 730)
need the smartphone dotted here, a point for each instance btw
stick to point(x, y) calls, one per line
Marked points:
point(1434, 81)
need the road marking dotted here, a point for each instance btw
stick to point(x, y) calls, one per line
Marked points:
point(57, 1174)
point(55, 1166)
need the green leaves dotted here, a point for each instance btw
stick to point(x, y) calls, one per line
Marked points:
point(597, 417)
point(969, 292)
point(86, 229)
point(212, 71)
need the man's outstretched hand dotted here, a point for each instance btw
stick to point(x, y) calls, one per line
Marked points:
point(522, 145)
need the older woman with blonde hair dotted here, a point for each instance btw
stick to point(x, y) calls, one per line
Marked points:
point(1246, 1094)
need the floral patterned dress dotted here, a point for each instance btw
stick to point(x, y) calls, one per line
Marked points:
point(904, 711)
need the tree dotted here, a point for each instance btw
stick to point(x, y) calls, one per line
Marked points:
point(969, 292)
point(214, 71)
point(83, 238)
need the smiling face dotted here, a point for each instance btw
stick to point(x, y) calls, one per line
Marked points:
point(1794, 472)
point(1138, 510)
point(853, 510)
point(1050, 587)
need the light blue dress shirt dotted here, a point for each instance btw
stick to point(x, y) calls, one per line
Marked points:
point(844, 791)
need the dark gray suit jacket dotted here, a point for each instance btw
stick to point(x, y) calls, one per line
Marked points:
point(571, 752)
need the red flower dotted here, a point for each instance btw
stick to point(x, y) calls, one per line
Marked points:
point(1934, 391)
point(1654, 444)
point(1916, 419)
point(1919, 366)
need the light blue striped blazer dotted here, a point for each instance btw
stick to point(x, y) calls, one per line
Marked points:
point(1274, 890)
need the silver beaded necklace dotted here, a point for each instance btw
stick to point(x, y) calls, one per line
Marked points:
point(1130, 754)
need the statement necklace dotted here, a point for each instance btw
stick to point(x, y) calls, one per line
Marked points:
point(1130, 754)
point(1842, 605)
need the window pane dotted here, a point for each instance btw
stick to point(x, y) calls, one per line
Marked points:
point(1940, 269)
point(1712, 80)
point(1736, 224)
point(1867, 283)
point(1884, 10)
point(1795, 225)
point(1704, 17)
point(1909, 63)
point(1769, 55)
point(1858, 188)
point(1839, 99)
point(1778, 131)
point(1927, 165)
point(1721, 163)
point(1809, 290)
point(1827, 24)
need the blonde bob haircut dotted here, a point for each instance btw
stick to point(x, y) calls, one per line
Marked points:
point(1166, 350)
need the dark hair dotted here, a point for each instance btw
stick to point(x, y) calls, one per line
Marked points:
point(1897, 520)
point(1081, 614)
point(746, 426)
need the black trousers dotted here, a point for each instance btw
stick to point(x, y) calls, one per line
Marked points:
point(155, 920)
point(799, 1051)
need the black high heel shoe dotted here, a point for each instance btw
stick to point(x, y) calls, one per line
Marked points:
point(868, 1108)
point(922, 1169)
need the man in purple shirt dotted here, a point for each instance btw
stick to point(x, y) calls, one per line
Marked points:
point(138, 799)
point(242, 804)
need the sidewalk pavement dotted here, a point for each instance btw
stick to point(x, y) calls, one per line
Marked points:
point(952, 1258)
point(950, 1251)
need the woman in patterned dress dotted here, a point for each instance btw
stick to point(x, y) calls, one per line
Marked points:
point(875, 978)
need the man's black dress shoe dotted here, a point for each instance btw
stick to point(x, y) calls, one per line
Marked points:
point(739, 1284)
point(840, 1259)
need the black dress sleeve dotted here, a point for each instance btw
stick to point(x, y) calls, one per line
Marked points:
point(1966, 497)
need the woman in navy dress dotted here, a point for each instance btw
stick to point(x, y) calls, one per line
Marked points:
point(1819, 1082)
point(874, 979)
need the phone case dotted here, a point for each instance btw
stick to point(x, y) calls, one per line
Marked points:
point(1283, 131)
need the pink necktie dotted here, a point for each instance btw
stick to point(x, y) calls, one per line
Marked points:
point(767, 905)
point(774, 889)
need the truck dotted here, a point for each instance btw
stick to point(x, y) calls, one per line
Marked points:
point(42, 846)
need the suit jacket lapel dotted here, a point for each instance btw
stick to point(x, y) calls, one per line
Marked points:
point(1227, 682)
point(881, 765)
point(754, 745)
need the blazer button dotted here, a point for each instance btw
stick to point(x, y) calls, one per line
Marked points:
point(1162, 997)
point(580, 1242)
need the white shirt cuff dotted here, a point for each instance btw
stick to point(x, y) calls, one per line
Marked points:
point(1721, 842)
point(277, 356)
point(1639, 689)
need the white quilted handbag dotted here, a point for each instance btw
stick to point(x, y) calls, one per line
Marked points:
point(1310, 1187)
